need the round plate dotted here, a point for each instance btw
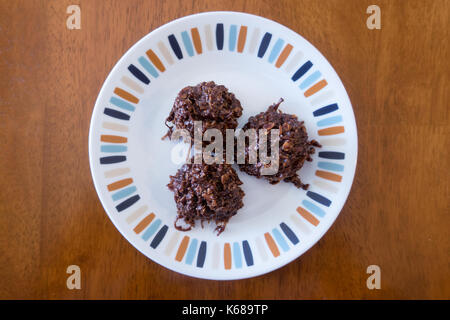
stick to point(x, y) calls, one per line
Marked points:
point(259, 61)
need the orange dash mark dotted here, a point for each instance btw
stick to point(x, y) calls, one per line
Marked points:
point(283, 56)
point(125, 95)
point(155, 60)
point(113, 139)
point(271, 243)
point(330, 131)
point(182, 248)
point(241, 39)
point(227, 256)
point(315, 88)
point(308, 216)
point(119, 184)
point(144, 223)
point(196, 40)
point(329, 175)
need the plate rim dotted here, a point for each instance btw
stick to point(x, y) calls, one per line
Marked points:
point(231, 275)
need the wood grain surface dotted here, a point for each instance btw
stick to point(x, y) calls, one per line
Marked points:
point(397, 214)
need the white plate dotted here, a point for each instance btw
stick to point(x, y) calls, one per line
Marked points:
point(260, 61)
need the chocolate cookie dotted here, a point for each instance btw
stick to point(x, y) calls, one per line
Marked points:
point(212, 104)
point(294, 147)
point(206, 193)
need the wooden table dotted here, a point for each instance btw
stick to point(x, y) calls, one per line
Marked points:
point(397, 214)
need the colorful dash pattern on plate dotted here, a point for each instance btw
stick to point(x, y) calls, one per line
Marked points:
point(124, 100)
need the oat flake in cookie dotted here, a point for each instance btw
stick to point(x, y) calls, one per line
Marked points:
point(212, 104)
point(294, 145)
point(206, 193)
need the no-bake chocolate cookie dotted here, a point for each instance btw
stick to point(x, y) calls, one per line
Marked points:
point(212, 104)
point(294, 147)
point(206, 193)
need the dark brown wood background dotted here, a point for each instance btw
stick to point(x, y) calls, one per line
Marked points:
point(397, 214)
